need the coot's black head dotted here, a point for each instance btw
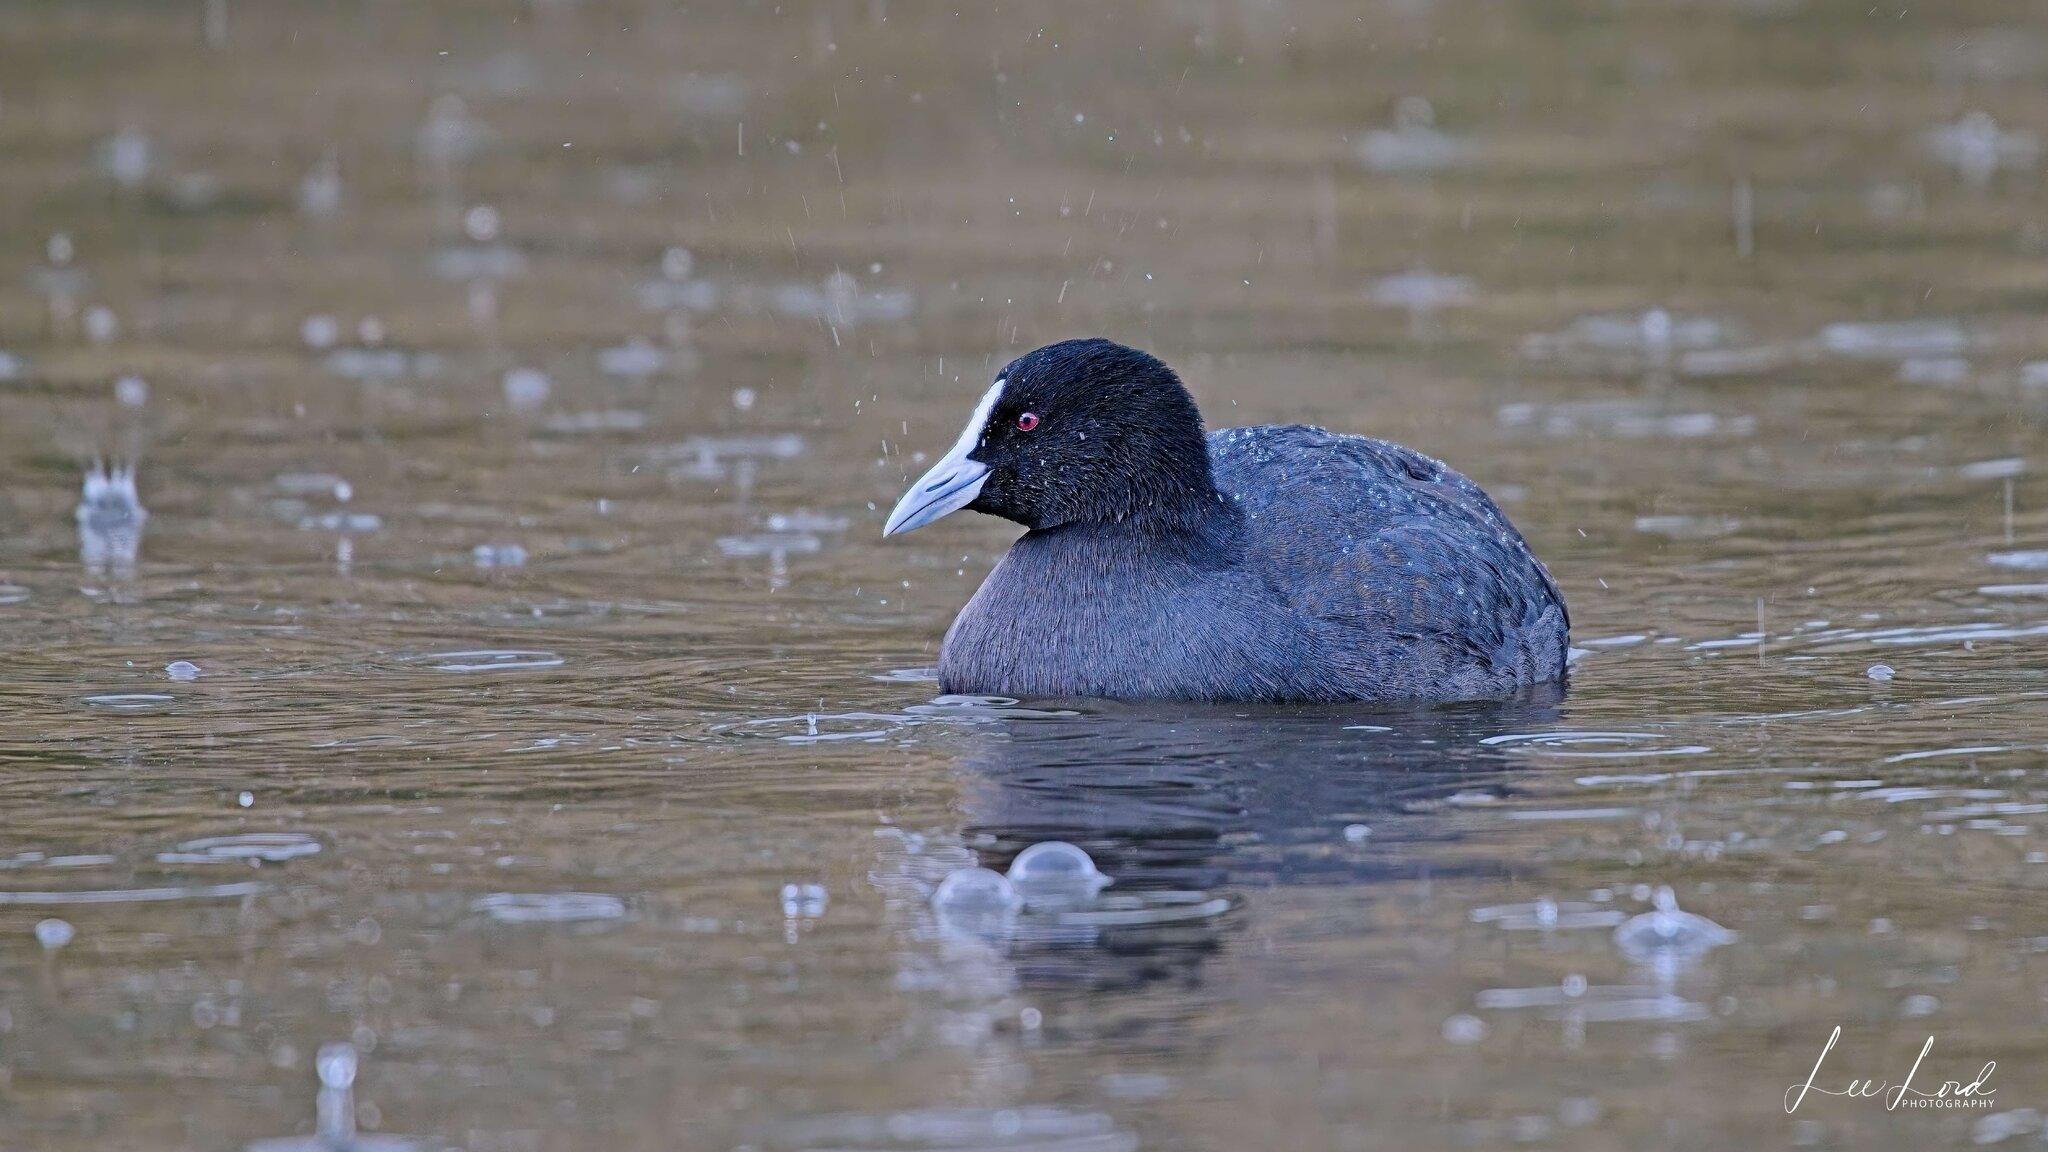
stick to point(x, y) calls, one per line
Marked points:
point(1080, 431)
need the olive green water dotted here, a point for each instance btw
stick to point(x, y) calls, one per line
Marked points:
point(497, 768)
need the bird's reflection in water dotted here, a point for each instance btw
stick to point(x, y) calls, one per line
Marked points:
point(1232, 799)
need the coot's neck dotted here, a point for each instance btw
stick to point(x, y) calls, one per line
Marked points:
point(1174, 511)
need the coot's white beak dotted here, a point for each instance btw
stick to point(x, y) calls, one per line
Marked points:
point(953, 482)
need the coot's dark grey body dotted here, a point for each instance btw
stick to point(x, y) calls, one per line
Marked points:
point(1269, 563)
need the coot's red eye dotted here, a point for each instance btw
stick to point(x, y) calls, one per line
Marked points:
point(1028, 421)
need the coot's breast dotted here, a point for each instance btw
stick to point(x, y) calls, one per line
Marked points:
point(1082, 611)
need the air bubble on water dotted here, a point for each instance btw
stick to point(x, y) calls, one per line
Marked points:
point(132, 391)
point(246, 799)
point(1880, 672)
point(53, 933)
point(526, 388)
point(976, 892)
point(59, 250)
point(743, 399)
point(1919, 1005)
point(481, 223)
point(182, 670)
point(1054, 873)
point(676, 263)
point(1356, 833)
point(1464, 1029)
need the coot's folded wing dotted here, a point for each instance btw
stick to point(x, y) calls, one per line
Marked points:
point(1411, 570)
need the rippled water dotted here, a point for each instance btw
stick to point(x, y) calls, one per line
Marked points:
point(494, 681)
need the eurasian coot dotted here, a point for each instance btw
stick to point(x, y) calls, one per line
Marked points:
point(1280, 562)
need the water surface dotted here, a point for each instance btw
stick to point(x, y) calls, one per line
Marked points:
point(491, 662)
